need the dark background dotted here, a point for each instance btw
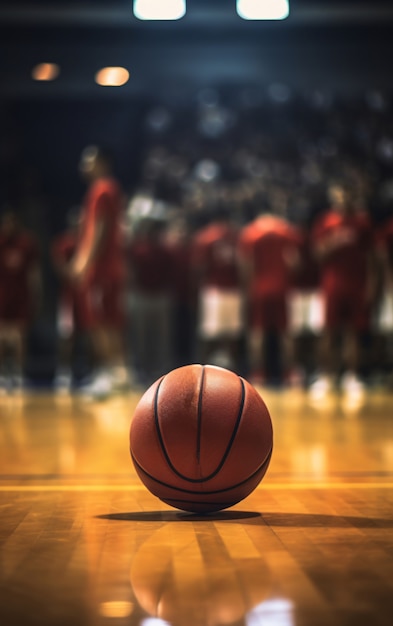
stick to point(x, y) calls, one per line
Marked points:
point(343, 49)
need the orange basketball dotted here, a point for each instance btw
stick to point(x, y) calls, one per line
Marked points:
point(201, 438)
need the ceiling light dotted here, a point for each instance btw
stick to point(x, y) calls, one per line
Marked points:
point(159, 9)
point(112, 76)
point(263, 9)
point(45, 71)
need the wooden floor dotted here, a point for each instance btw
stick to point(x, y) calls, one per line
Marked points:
point(82, 542)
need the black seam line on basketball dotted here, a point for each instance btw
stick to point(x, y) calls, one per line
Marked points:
point(199, 414)
point(225, 455)
point(205, 493)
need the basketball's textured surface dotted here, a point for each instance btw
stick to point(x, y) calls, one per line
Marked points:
point(201, 438)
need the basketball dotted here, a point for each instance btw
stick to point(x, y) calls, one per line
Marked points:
point(201, 438)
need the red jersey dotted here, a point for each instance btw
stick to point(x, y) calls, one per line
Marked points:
point(267, 244)
point(151, 265)
point(63, 248)
point(384, 240)
point(214, 255)
point(18, 254)
point(345, 266)
point(307, 276)
point(180, 273)
point(104, 201)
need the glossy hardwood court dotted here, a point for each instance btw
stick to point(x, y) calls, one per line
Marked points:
point(84, 543)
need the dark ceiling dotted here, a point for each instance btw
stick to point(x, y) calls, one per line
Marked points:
point(336, 44)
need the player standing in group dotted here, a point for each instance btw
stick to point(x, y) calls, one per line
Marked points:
point(71, 315)
point(20, 294)
point(178, 242)
point(384, 310)
point(269, 256)
point(343, 244)
point(150, 267)
point(98, 268)
point(218, 290)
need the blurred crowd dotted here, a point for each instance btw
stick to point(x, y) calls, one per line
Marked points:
point(259, 238)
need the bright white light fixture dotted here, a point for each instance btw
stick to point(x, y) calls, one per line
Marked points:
point(159, 9)
point(112, 76)
point(263, 9)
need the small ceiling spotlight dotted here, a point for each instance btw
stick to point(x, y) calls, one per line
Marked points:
point(159, 9)
point(45, 71)
point(263, 9)
point(112, 76)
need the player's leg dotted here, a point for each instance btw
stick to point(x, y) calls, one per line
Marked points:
point(281, 321)
point(256, 338)
point(3, 377)
point(13, 335)
point(15, 316)
point(89, 307)
point(66, 322)
point(255, 349)
point(109, 337)
point(209, 324)
point(328, 362)
point(358, 320)
point(232, 327)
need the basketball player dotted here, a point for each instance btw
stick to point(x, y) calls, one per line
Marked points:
point(384, 310)
point(150, 272)
point(178, 242)
point(305, 312)
point(343, 245)
point(73, 300)
point(20, 293)
point(98, 267)
point(269, 256)
point(218, 288)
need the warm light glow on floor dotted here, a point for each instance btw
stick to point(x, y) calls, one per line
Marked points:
point(116, 609)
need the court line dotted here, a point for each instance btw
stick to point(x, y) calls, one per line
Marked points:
point(270, 487)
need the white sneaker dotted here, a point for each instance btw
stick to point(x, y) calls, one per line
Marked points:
point(62, 382)
point(100, 387)
point(4, 386)
point(321, 387)
point(221, 358)
point(121, 379)
point(18, 385)
point(352, 386)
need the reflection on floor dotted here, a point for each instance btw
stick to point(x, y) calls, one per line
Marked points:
point(84, 543)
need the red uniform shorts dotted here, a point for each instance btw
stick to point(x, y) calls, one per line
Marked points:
point(269, 312)
point(15, 307)
point(100, 303)
point(346, 310)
